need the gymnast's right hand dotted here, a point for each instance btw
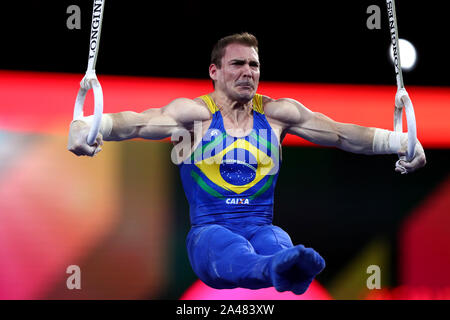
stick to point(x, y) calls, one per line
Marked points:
point(77, 144)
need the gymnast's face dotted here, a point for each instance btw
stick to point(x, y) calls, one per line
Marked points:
point(238, 77)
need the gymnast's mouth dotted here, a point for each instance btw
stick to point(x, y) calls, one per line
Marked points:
point(245, 84)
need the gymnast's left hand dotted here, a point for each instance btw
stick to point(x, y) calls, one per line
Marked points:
point(418, 161)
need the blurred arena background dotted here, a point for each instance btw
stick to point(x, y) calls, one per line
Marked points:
point(122, 216)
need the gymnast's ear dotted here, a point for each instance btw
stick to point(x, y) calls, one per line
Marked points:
point(213, 71)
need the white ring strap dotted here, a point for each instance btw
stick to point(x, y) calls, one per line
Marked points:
point(90, 80)
point(398, 113)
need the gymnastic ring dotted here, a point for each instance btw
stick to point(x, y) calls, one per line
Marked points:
point(90, 81)
point(411, 123)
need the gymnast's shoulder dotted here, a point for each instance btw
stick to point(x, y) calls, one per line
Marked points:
point(283, 110)
point(186, 110)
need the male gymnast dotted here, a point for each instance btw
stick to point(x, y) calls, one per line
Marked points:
point(231, 167)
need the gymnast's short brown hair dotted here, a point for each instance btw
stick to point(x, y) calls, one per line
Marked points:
point(218, 51)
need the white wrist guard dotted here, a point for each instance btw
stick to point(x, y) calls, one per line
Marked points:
point(387, 142)
point(105, 126)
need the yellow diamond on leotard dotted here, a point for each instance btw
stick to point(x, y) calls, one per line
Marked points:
point(211, 166)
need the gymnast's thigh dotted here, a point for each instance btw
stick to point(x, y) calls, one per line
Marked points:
point(270, 239)
point(210, 244)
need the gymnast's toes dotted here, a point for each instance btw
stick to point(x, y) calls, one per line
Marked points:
point(310, 262)
point(295, 268)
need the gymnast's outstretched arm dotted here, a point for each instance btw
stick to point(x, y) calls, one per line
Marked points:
point(294, 118)
point(154, 123)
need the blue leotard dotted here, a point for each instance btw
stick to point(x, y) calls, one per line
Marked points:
point(230, 179)
point(229, 183)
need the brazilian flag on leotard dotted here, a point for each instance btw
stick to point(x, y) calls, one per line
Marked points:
point(230, 177)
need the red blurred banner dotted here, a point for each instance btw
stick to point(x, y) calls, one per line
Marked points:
point(43, 102)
